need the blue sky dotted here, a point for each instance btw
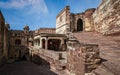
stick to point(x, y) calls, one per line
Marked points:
point(40, 13)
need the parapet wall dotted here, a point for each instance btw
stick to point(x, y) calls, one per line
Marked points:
point(107, 17)
point(45, 30)
point(56, 59)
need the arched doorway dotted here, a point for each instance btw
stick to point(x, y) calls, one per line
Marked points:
point(79, 25)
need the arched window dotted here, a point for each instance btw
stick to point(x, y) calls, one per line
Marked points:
point(17, 42)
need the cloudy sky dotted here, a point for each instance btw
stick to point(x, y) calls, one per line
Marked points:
point(40, 13)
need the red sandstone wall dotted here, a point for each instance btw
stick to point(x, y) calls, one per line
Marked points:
point(75, 62)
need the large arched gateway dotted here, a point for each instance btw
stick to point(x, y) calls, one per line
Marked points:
point(79, 25)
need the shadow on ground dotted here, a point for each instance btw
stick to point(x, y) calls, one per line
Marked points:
point(27, 68)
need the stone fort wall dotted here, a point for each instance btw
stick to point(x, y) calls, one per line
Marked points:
point(63, 21)
point(106, 18)
point(67, 21)
point(3, 40)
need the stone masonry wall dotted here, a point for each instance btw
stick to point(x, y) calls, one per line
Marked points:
point(3, 41)
point(107, 17)
point(57, 59)
point(1, 37)
point(83, 60)
point(45, 30)
point(63, 21)
point(88, 19)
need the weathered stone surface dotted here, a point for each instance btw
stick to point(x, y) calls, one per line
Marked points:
point(53, 57)
point(83, 60)
point(62, 21)
point(3, 40)
point(45, 30)
point(109, 51)
point(107, 17)
point(74, 22)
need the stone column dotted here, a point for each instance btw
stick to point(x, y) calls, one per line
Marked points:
point(40, 42)
point(62, 41)
point(46, 43)
point(34, 43)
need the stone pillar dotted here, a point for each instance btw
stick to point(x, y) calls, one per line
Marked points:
point(62, 41)
point(46, 43)
point(34, 43)
point(37, 42)
point(40, 42)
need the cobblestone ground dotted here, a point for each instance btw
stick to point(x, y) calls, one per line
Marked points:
point(25, 68)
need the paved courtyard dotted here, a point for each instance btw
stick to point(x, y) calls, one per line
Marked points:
point(25, 68)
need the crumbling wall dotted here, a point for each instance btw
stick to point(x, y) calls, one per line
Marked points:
point(57, 59)
point(83, 60)
point(107, 17)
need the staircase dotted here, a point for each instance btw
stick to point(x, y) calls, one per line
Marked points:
point(109, 51)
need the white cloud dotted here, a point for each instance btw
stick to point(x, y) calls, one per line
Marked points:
point(35, 6)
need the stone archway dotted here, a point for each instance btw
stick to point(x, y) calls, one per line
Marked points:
point(79, 25)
